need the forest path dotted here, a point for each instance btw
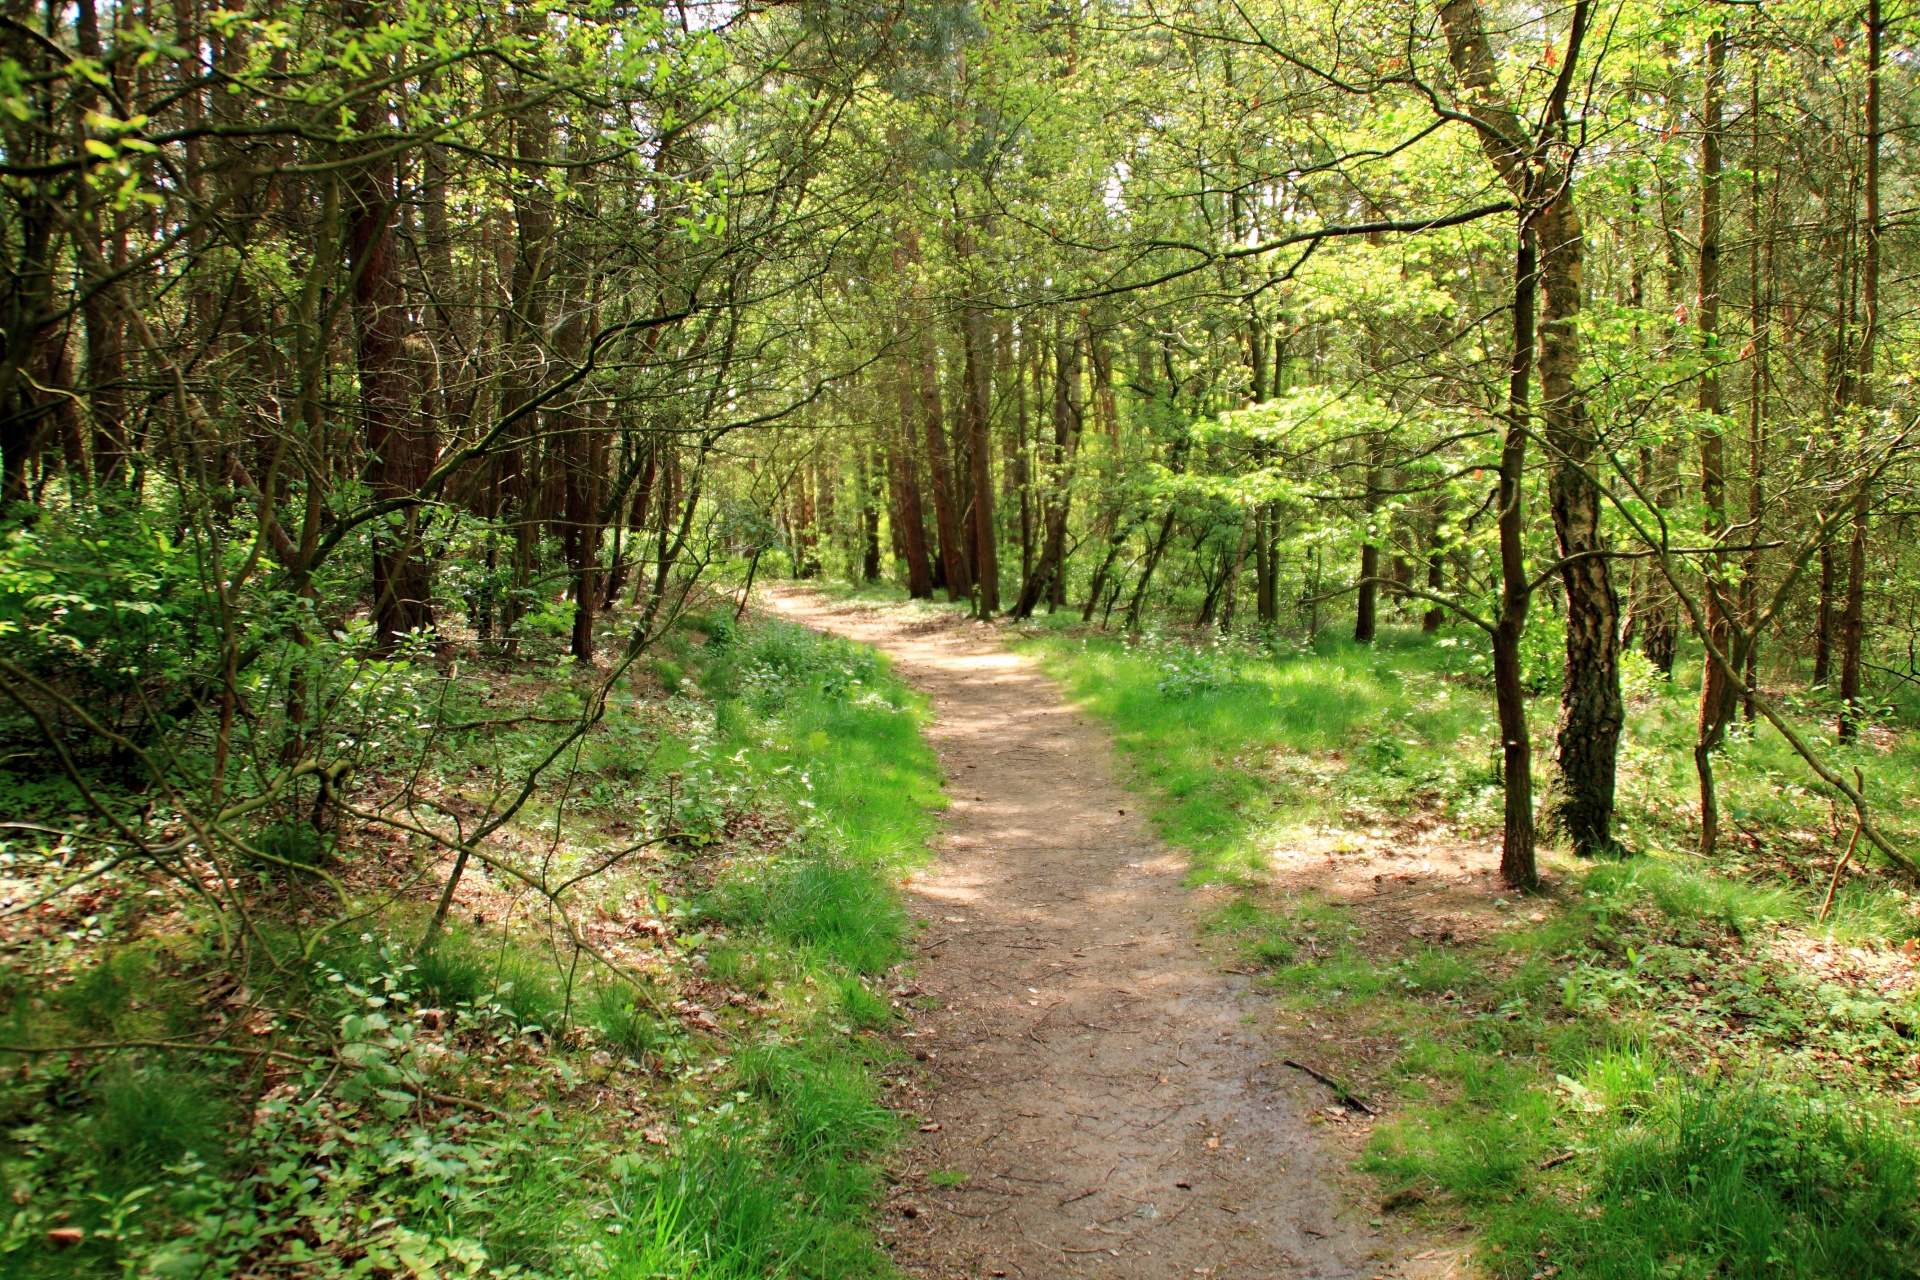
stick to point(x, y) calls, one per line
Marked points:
point(1089, 1071)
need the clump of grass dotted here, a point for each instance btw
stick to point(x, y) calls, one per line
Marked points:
point(1687, 896)
point(1749, 1179)
point(861, 1007)
point(730, 1207)
point(1273, 938)
point(615, 1011)
point(146, 1118)
point(102, 995)
point(526, 989)
point(290, 848)
point(451, 972)
point(841, 911)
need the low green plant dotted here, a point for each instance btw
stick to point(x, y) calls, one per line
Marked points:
point(1742, 1179)
point(841, 911)
point(624, 1022)
point(861, 1007)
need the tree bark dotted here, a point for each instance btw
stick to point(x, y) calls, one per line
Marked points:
point(1266, 568)
point(400, 442)
point(1716, 683)
point(946, 518)
point(1069, 418)
point(1853, 616)
point(1517, 865)
point(1137, 602)
point(1591, 710)
point(1366, 610)
point(869, 515)
point(973, 339)
point(909, 518)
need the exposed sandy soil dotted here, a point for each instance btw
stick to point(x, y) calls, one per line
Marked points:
point(1101, 1099)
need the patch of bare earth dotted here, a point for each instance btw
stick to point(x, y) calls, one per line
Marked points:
point(1100, 1098)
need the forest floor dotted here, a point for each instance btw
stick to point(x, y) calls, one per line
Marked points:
point(1104, 1096)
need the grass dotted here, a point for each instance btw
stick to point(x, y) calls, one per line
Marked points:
point(1639, 1079)
point(799, 789)
point(1218, 734)
point(776, 1184)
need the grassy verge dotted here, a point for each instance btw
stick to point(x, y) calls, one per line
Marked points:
point(505, 1102)
point(1662, 1068)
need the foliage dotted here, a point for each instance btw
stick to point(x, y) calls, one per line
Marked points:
point(433, 1108)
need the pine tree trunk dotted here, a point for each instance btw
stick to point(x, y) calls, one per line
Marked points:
point(946, 518)
point(1069, 418)
point(1716, 683)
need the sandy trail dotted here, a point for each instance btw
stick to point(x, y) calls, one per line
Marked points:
point(1093, 1077)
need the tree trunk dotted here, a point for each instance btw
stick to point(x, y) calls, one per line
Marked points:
point(946, 517)
point(973, 338)
point(1760, 263)
point(1266, 568)
point(1366, 609)
point(909, 519)
point(1716, 683)
point(1069, 417)
point(583, 458)
point(1853, 616)
point(1591, 711)
point(524, 323)
point(400, 443)
point(1121, 531)
point(869, 515)
point(1823, 620)
point(1592, 714)
point(1137, 602)
point(1517, 866)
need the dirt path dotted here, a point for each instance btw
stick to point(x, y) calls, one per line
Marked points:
point(1093, 1077)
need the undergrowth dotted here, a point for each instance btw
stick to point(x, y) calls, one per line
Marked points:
point(345, 1101)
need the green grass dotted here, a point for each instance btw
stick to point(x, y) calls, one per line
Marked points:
point(1222, 737)
point(778, 1183)
point(840, 909)
point(1700, 1107)
point(807, 744)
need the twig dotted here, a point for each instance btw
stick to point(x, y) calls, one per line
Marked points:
point(1340, 1091)
point(1557, 1161)
point(450, 1100)
point(1826, 904)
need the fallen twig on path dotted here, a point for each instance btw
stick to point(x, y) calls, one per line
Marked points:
point(1341, 1093)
